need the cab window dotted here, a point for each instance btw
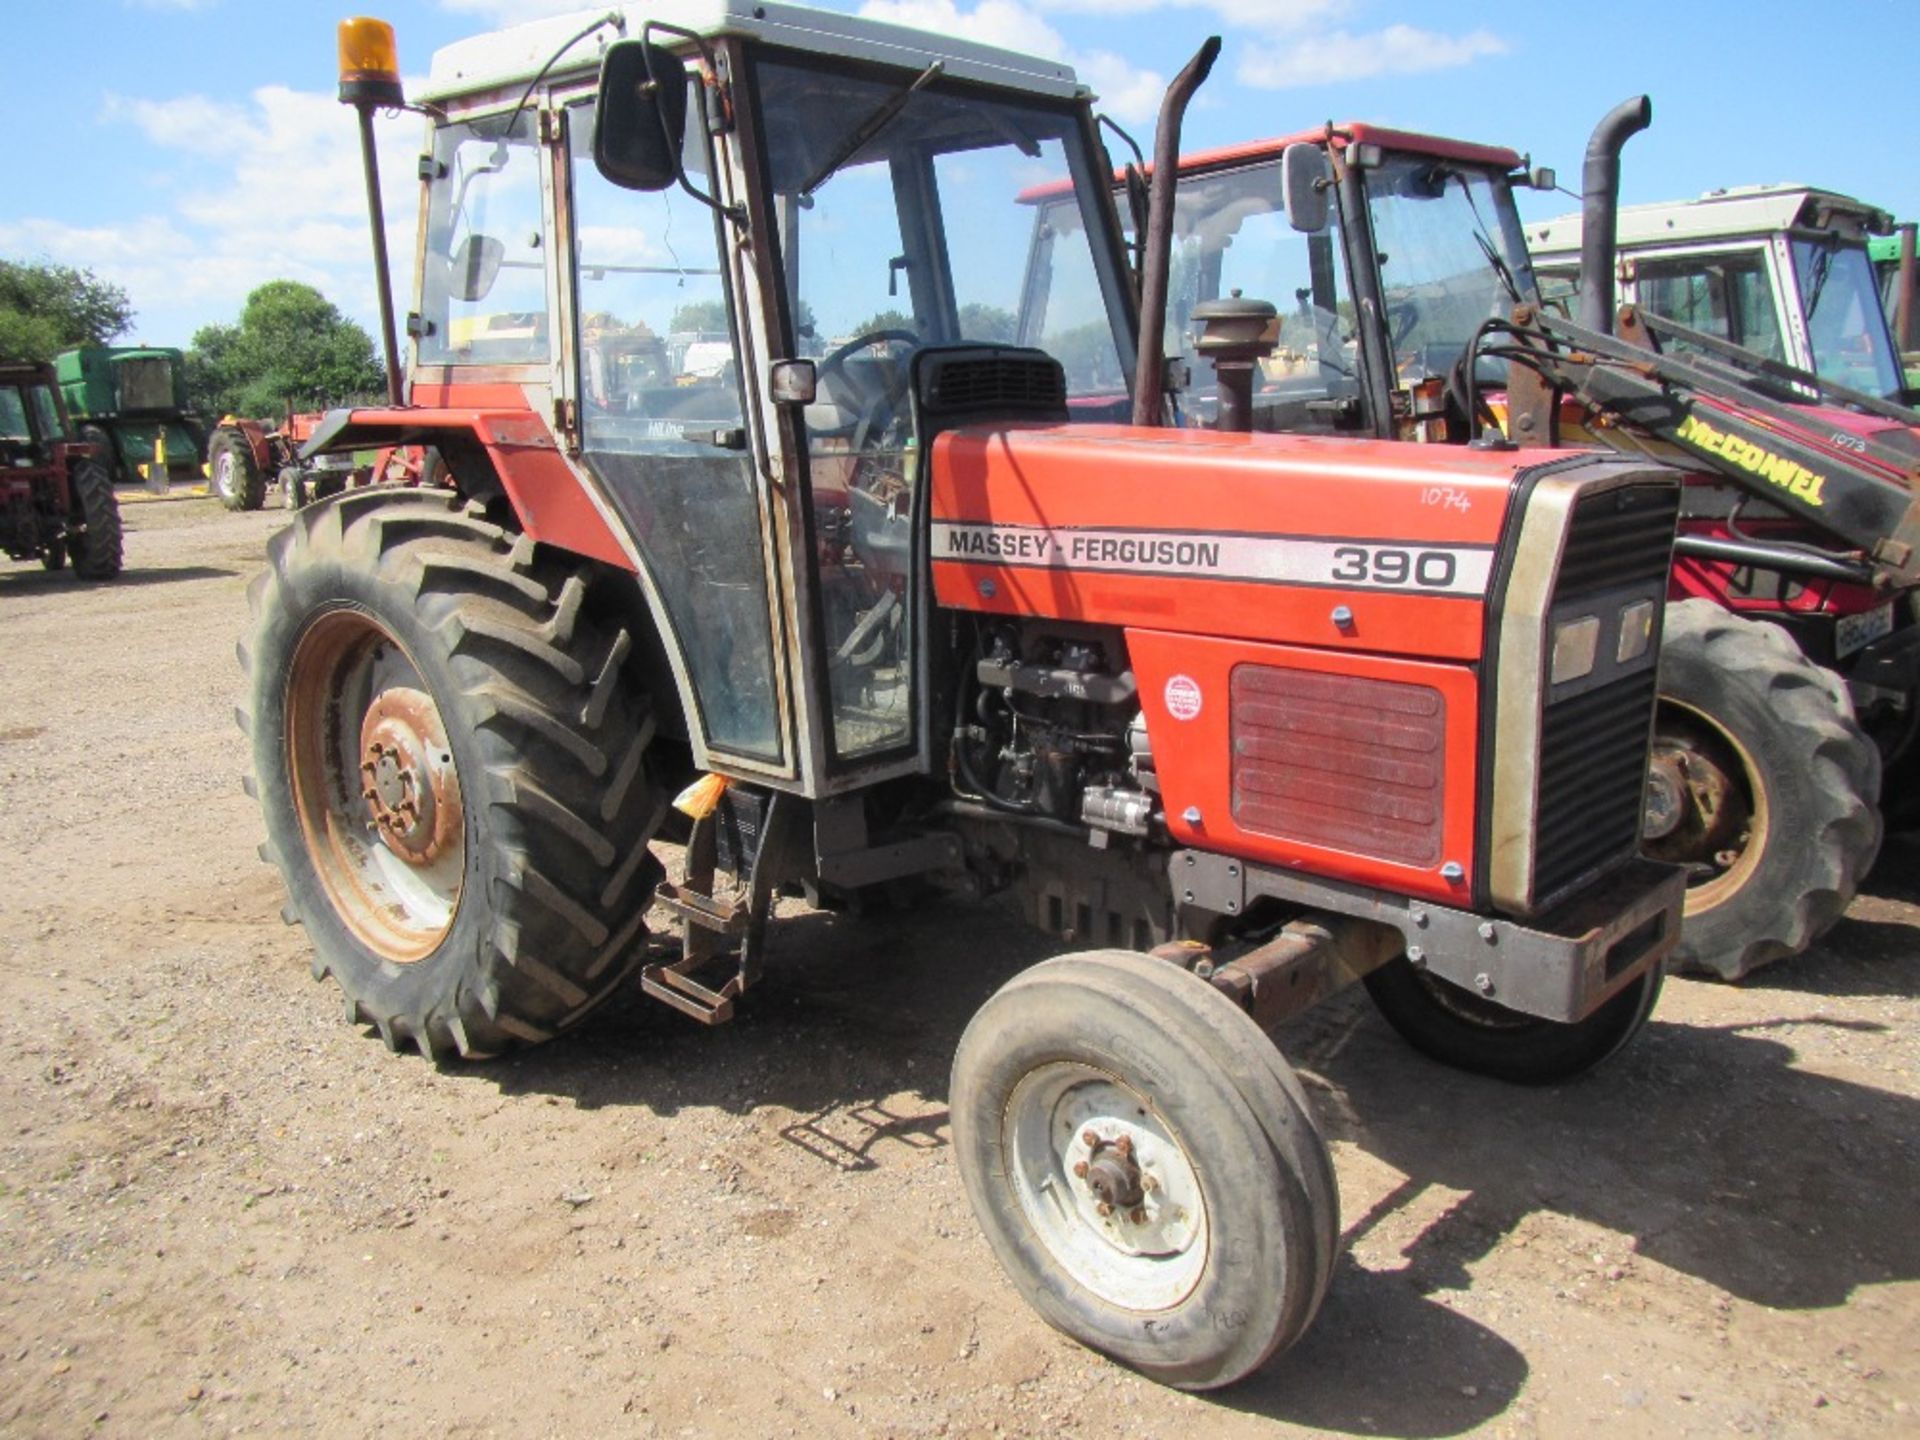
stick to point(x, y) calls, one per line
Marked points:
point(483, 291)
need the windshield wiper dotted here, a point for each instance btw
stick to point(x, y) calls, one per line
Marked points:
point(1822, 268)
point(1486, 246)
point(870, 127)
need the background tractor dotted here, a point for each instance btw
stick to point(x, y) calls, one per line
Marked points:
point(917, 608)
point(1791, 662)
point(56, 501)
point(132, 402)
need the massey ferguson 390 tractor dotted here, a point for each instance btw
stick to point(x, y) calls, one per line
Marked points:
point(1407, 309)
point(56, 494)
point(1255, 715)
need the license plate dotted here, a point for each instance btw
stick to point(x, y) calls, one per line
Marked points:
point(1851, 632)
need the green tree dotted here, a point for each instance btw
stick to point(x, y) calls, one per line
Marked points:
point(291, 345)
point(45, 308)
point(988, 324)
point(700, 315)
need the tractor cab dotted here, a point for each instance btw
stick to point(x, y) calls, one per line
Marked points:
point(1383, 252)
point(726, 341)
point(1783, 271)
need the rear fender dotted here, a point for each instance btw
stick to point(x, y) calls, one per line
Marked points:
point(511, 455)
point(255, 434)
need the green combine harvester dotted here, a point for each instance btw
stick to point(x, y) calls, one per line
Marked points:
point(133, 400)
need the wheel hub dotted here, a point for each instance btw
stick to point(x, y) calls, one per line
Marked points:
point(1666, 796)
point(407, 776)
point(1111, 1173)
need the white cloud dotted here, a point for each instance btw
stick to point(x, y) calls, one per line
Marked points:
point(264, 188)
point(1126, 90)
point(1341, 55)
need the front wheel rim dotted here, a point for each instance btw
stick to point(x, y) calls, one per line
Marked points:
point(375, 787)
point(223, 473)
point(1106, 1185)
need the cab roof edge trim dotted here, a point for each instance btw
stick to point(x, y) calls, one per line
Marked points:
point(514, 55)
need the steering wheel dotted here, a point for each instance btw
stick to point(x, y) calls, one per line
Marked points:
point(835, 364)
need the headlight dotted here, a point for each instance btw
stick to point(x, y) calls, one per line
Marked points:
point(1575, 643)
point(1636, 631)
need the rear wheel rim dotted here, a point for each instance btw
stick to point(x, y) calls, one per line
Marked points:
point(1077, 1140)
point(375, 787)
point(1719, 822)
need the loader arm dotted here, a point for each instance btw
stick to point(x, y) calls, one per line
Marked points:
point(1845, 462)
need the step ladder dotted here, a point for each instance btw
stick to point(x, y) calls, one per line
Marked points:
point(717, 930)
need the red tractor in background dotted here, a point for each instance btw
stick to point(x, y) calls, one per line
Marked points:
point(1256, 716)
point(56, 494)
point(245, 458)
point(1407, 309)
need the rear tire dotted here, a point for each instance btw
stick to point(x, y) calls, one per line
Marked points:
point(1770, 786)
point(1459, 1028)
point(1227, 1255)
point(109, 459)
point(293, 487)
point(510, 905)
point(93, 537)
point(233, 473)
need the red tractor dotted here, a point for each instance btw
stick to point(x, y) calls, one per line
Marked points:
point(1407, 309)
point(245, 458)
point(1252, 716)
point(56, 495)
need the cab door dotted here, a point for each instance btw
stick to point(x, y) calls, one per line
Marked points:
point(662, 414)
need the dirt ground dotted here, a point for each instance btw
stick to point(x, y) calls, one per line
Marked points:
point(224, 1210)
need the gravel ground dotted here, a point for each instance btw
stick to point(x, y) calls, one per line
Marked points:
point(224, 1210)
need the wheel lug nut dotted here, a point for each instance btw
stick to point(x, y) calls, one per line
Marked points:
point(1104, 1209)
point(1138, 1215)
point(1149, 1184)
point(1080, 1169)
point(1124, 1146)
point(1089, 1139)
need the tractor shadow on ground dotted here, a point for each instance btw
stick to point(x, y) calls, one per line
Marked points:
point(1703, 1148)
point(38, 579)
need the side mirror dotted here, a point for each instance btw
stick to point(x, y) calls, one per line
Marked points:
point(475, 265)
point(793, 382)
point(1540, 177)
point(1305, 177)
point(640, 117)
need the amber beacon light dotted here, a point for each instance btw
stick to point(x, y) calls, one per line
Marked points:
point(369, 63)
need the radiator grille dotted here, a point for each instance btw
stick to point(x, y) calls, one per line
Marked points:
point(1593, 744)
point(1334, 760)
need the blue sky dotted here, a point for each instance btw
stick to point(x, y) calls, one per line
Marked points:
point(192, 149)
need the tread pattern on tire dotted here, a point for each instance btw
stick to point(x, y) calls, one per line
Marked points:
point(99, 555)
point(1839, 844)
point(250, 483)
point(560, 850)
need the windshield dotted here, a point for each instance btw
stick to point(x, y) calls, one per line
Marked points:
point(1231, 237)
point(1451, 257)
point(1846, 326)
point(920, 235)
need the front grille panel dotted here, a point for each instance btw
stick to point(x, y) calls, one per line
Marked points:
point(1339, 761)
point(1594, 742)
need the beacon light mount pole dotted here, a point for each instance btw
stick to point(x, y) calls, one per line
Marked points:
point(370, 81)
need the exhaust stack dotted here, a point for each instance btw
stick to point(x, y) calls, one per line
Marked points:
point(1149, 371)
point(1600, 208)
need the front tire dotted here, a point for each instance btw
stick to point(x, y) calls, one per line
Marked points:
point(233, 473)
point(1222, 1216)
point(93, 539)
point(452, 769)
point(1453, 1025)
point(1762, 785)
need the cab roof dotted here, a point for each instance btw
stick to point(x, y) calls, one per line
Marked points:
point(516, 54)
point(1351, 132)
point(1741, 210)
